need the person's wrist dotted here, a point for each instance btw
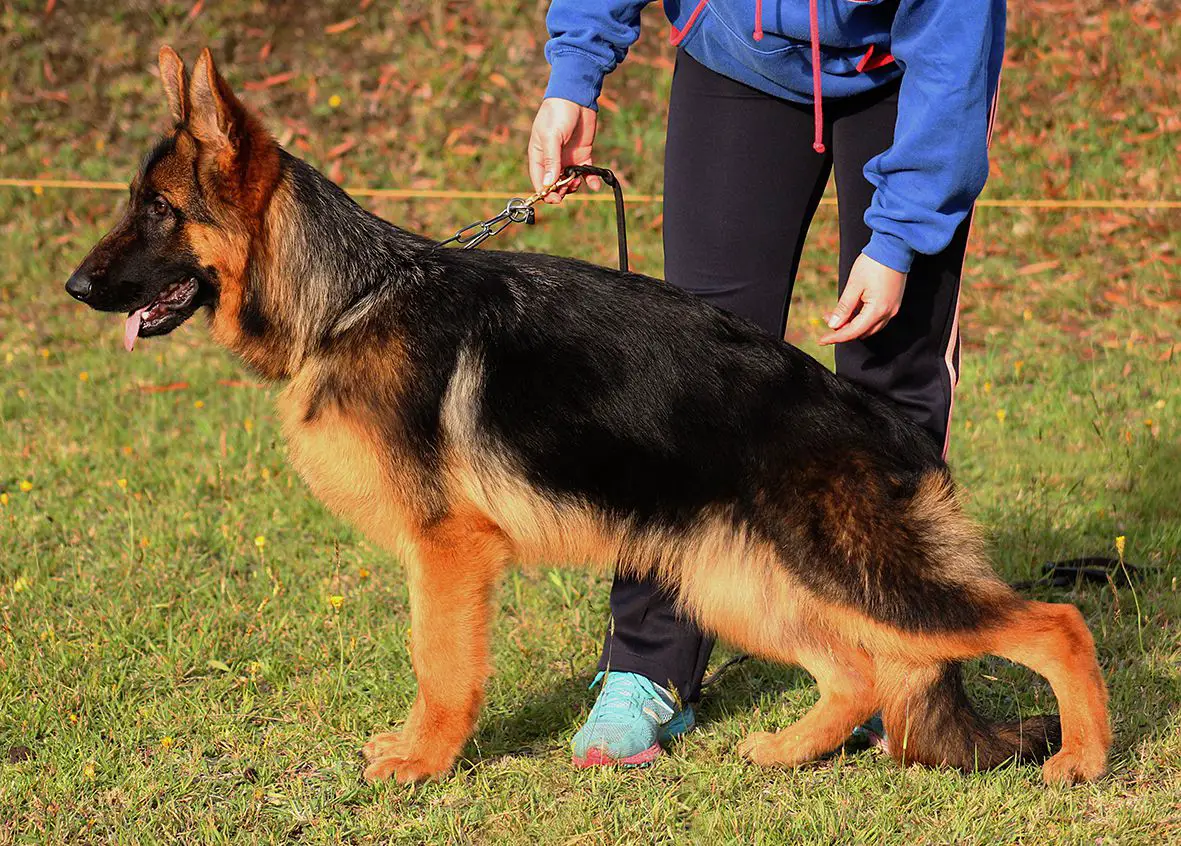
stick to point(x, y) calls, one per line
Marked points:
point(889, 251)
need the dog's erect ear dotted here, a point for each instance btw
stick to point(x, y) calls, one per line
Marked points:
point(216, 117)
point(232, 142)
point(172, 74)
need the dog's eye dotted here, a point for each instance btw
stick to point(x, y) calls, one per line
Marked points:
point(159, 207)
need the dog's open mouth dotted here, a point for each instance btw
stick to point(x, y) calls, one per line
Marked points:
point(169, 309)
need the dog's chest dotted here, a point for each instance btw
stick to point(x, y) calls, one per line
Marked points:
point(341, 463)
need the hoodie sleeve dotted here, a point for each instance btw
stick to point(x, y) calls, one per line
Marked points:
point(926, 182)
point(588, 39)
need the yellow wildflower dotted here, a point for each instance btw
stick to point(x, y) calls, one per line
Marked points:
point(88, 771)
point(1120, 542)
point(248, 425)
point(199, 404)
point(83, 376)
point(25, 485)
point(1000, 415)
point(260, 541)
point(363, 573)
point(121, 483)
point(166, 741)
point(336, 601)
point(334, 101)
point(3, 499)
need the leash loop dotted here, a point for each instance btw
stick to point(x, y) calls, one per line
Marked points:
point(521, 211)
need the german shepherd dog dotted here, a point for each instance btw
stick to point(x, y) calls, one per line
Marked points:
point(467, 409)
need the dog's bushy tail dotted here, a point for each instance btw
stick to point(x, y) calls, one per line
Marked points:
point(929, 720)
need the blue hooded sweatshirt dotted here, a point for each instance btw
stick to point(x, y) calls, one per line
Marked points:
point(947, 52)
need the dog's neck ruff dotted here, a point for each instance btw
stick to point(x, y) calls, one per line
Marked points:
point(325, 267)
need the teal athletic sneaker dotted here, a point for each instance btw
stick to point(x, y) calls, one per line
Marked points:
point(871, 734)
point(628, 722)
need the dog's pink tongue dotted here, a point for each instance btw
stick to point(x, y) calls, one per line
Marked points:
point(131, 328)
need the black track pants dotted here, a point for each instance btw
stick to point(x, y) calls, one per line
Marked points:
point(741, 183)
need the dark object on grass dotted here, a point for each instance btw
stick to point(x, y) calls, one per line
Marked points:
point(1096, 570)
point(16, 754)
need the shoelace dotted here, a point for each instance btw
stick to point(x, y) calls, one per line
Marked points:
point(623, 696)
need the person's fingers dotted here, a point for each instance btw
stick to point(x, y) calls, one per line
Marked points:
point(846, 305)
point(536, 171)
point(868, 318)
point(551, 162)
point(558, 194)
point(873, 330)
point(593, 182)
point(881, 323)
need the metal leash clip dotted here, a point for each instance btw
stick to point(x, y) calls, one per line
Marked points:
point(517, 211)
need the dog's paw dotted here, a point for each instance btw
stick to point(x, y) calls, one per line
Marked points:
point(776, 749)
point(409, 760)
point(1072, 766)
point(408, 769)
point(381, 745)
point(762, 748)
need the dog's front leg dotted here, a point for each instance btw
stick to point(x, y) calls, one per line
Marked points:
point(452, 571)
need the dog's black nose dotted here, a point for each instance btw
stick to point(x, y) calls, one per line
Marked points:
point(79, 286)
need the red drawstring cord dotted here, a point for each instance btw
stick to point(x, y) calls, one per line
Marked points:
point(817, 94)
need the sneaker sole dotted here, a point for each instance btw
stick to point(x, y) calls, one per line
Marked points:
point(599, 758)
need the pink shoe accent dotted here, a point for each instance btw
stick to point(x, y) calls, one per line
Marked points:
point(596, 757)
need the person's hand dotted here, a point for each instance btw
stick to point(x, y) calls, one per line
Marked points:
point(872, 296)
point(563, 133)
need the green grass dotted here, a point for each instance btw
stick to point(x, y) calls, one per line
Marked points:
point(165, 677)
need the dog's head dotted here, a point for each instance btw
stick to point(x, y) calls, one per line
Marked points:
point(195, 209)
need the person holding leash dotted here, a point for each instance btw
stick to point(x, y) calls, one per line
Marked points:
point(897, 97)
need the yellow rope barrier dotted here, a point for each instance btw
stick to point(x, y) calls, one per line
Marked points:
point(442, 194)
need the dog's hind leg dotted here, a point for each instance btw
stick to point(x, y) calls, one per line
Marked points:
point(452, 572)
point(1053, 640)
point(845, 676)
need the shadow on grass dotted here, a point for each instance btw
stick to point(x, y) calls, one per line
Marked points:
point(544, 721)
